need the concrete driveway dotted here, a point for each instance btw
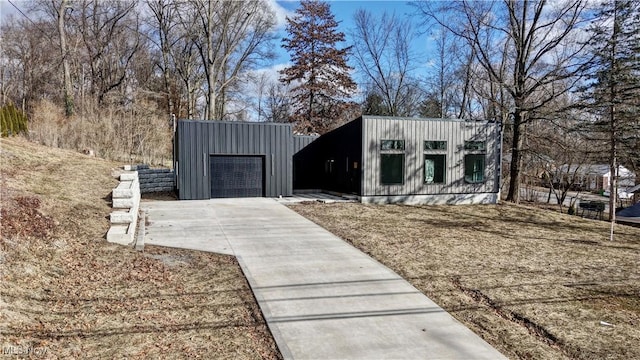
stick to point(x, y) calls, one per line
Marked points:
point(321, 297)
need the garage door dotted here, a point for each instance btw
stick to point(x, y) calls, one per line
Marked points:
point(236, 176)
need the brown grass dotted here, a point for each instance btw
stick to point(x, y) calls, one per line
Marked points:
point(138, 133)
point(67, 292)
point(534, 283)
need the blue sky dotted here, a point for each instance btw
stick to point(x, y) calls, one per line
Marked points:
point(343, 11)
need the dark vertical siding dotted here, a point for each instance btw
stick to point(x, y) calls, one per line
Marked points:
point(196, 141)
point(342, 146)
point(300, 141)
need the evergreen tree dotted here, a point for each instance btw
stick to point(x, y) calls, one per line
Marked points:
point(319, 73)
point(613, 94)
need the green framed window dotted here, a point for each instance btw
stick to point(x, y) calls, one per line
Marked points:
point(475, 145)
point(435, 145)
point(391, 169)
point(392, 145)
point(434, 168)
point(474, 168)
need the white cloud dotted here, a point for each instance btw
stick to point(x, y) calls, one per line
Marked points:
point(270, 73)
point(281, 13)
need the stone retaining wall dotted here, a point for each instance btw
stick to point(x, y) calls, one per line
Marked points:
point(154, 180)
point(126, 203)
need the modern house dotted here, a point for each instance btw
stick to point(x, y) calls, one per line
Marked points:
point(405, 160)
point(376, 159)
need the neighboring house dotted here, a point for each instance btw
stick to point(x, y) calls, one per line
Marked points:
point(376, 159)
point(406, 160)
point(596, 177)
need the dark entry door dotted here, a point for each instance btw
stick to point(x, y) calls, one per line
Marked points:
point(236, 176)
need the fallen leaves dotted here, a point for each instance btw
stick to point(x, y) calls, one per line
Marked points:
point(62, 287)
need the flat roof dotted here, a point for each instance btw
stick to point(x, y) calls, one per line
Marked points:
point(378, 117)
point(236, 122)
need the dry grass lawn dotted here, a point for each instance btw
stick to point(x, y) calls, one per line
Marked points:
point(67, 293)
point(534, 283)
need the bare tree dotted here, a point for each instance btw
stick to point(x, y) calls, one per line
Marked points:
point(62, 34)
point(163, 24)
point(278, 103)
point(110, 34)
point(523, 46)
point(382, 53)
point(559, 146)
point(235, 35)
point(30, 54)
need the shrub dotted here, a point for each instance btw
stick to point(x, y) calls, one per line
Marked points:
point(135, 133)
point(12, 121)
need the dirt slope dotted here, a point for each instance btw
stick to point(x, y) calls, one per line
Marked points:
point(67, 293)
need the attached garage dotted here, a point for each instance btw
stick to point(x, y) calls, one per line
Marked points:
point(218, 159)
point(236, 176)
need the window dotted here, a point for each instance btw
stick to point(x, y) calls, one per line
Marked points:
point(434, 168)
point(474, 168)
point(392, 169)
point(328, 166)
point(475, 145)
point(392, 162)
point(435, 145)
point(392, 145)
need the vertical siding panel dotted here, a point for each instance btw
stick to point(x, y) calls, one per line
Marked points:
point(418, 136)
point(230, 138)
point(198, 176)
point(206, 150)
point(372, 145)
point(274, 137)
point(251, 146)
point(289, 159)
point(193, 162)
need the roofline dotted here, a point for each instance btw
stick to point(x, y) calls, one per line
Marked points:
point(236, 122)
point(377, 117)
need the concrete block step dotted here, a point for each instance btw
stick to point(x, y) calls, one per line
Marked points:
point(121, 234)
point(126, 189)
point(129, 176)
point(122, 217)
point(127, 203)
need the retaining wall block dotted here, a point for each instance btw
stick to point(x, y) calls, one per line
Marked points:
point(126, 189)
point(126, 203)
point(129, 176)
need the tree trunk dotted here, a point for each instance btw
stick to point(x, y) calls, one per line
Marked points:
point(613, 168)
point(67, 96)
point(516, 158)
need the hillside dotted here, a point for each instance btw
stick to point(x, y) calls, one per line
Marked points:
point(67, 293)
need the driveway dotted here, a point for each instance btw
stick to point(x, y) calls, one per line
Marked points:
point(321, 297)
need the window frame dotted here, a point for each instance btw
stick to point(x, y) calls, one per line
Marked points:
point(475, 145)
point(440, 145)
point(444, 168)
point(396, 149)
point(472, 180)
point(382, 170)
point(393, 147)
point(437, 151)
